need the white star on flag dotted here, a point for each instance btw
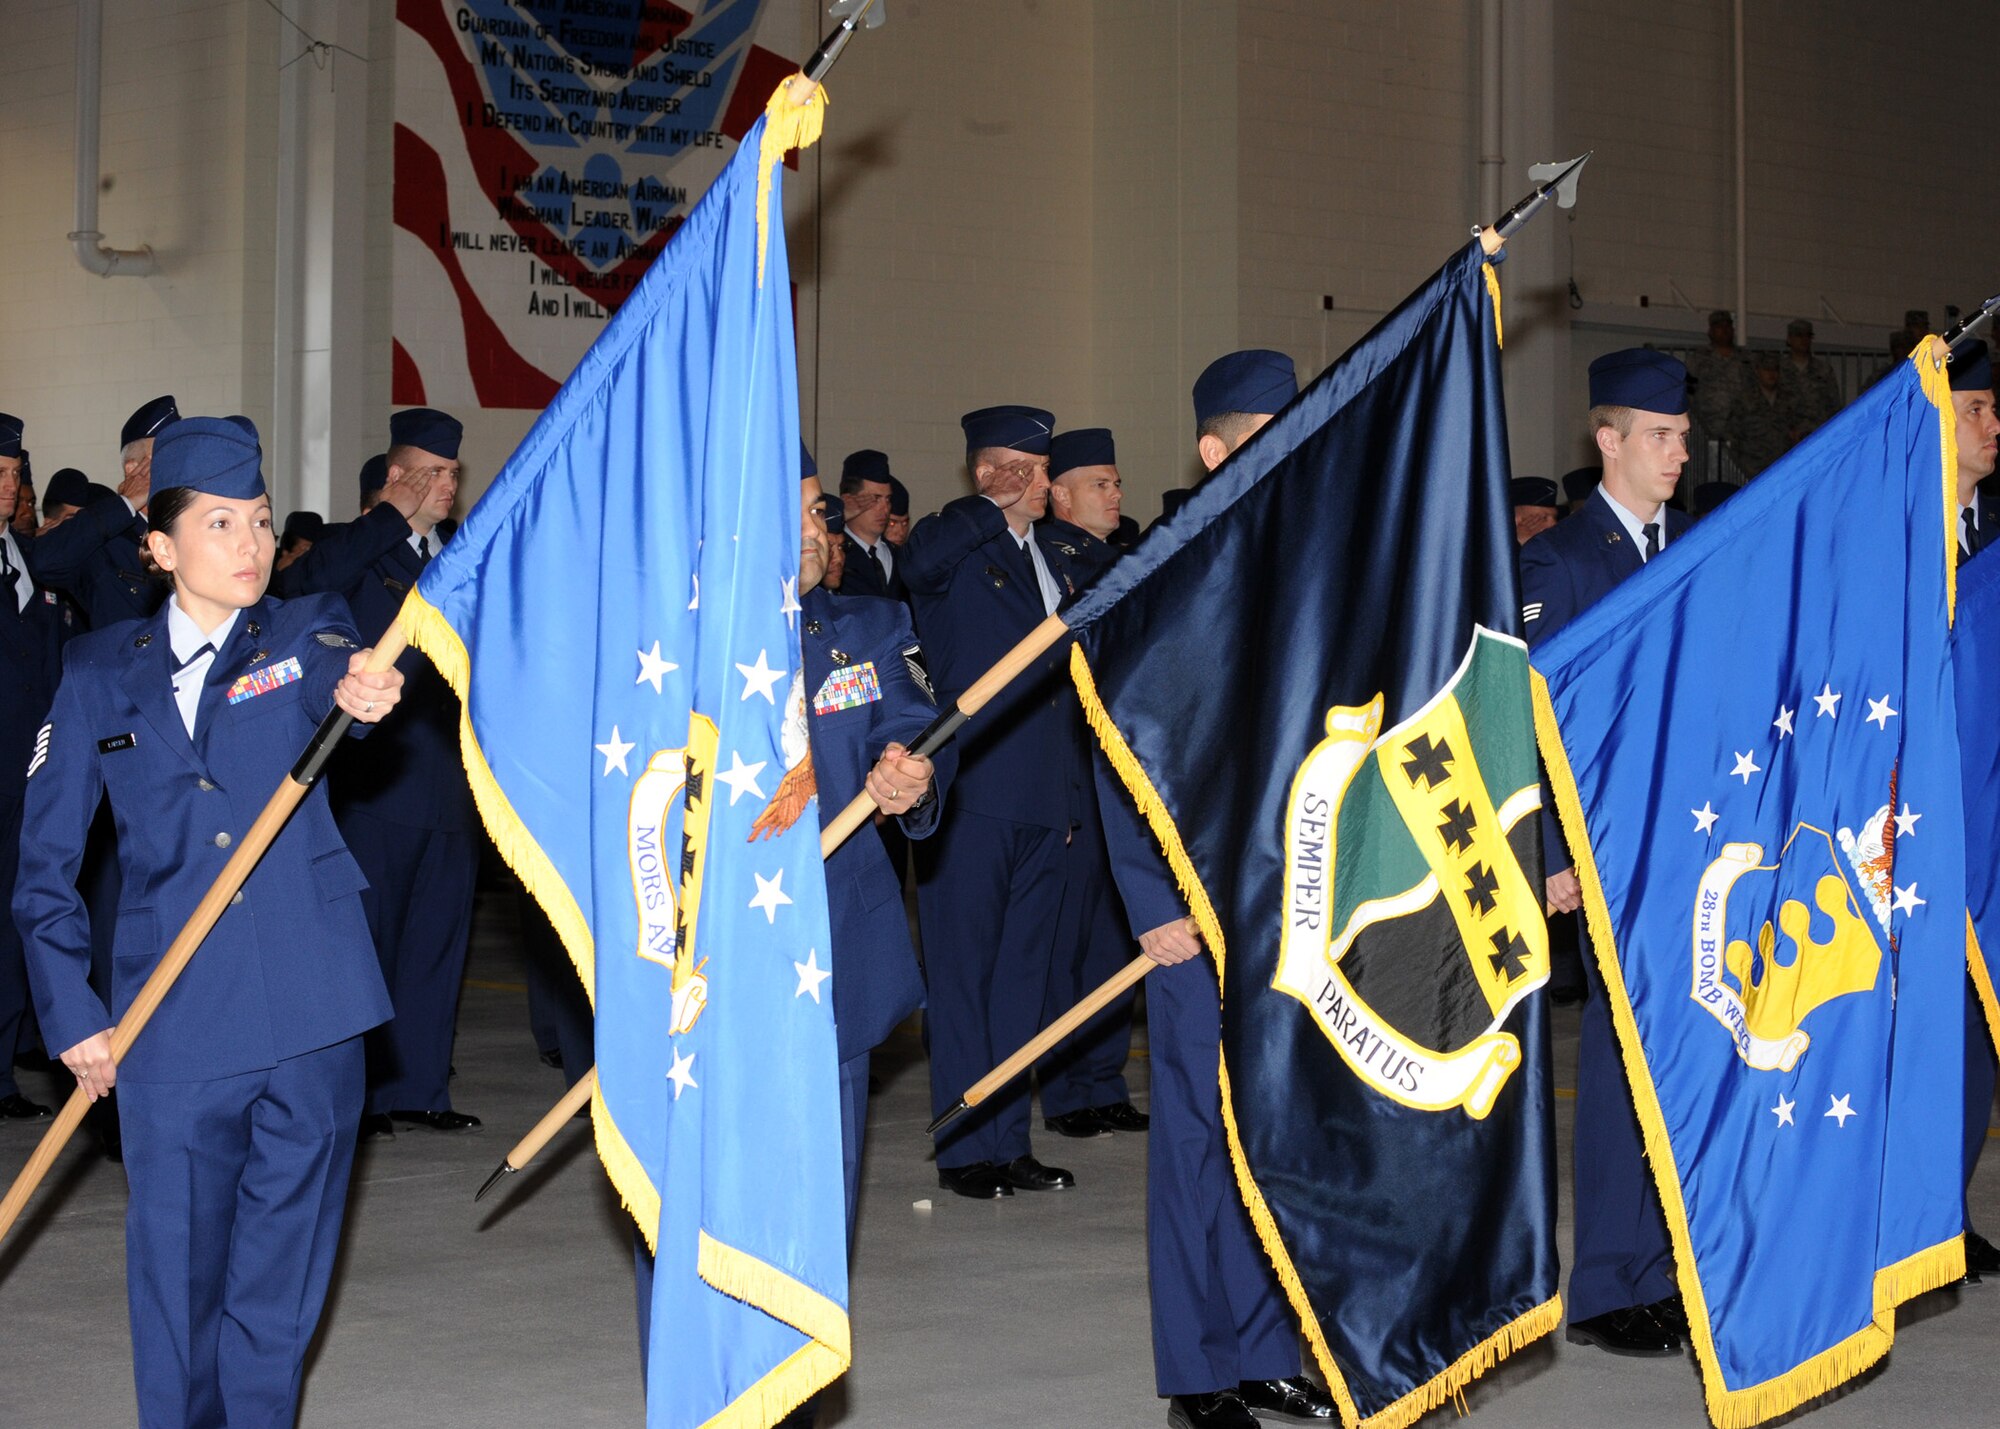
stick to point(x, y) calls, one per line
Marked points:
point(1745, 766)
point(652, 668)
point(741, 778)
point(1783, 723)
point(1827, 699)
point(1906, 822)
point(1840, 1111)
point(811, 975)
point(789, 607)
point(1907, 900)
point(614, 751)
point(1879, 712)
point(1704, 817)
point(1783, 1111)
point(769, 895)
point(760, 678)
point(681, 1074)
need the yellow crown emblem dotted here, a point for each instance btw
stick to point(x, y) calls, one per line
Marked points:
point(1778, 1000)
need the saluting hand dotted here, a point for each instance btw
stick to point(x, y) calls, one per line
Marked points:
point(1172, 943)
point(1005, 485)
point(407, 487)
point(92, 1063)
point(368, 695)
point(899, 780)
point(137, 487)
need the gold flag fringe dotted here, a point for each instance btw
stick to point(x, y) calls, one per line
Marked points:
point(788, 125)
point(810, 1368)
point(1447, 1384)
point(1493, 291)
point(1982, 981)
point(431, 633)
point(1929, 360)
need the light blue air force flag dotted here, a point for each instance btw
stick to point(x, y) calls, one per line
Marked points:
point(1754, 750)
point(620, 616)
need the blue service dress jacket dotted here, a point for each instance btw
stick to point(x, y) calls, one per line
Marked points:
point(408, 772)
point(31, 641)
point(1564, 571)
point(975, 594)
point(94, 557)
point(864, 576)
point(845, 639)
point(289, 968)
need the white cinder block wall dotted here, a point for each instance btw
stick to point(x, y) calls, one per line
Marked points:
point(1075, 203)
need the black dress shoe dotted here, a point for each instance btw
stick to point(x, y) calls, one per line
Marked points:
point(552, 1058)
point(15, 1107)
point(1123, 1116)
point(1296, 1400)
point(1078, 1124)
point(1672, 1313)
point(438, 1120)
point(1025, 1173)
point(1222, 1410)
point(376, 1126)
point(979, 1181)
point(1632, 1331)
point(1981, 1258)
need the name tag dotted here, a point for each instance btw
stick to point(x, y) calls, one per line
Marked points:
point(848, 688)
point(262, 682)
point(109, 746)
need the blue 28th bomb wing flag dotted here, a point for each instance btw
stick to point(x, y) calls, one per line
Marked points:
point(1754, 751)
point(619, 615)
point(1349, 798)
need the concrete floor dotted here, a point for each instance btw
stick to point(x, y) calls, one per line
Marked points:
point(1026, 1312)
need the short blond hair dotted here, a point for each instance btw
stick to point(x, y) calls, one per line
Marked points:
point(1619, 419)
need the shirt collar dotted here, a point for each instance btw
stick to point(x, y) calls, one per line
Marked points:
point(185, 636)
point(1634, 526)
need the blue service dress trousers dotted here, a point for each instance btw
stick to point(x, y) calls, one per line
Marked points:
point(419, 898)
point(1219, 1316)
point(1623, 1257)
point(1092, 944)
point(238, 1185)
point(989, 902)
point(1981, 1068)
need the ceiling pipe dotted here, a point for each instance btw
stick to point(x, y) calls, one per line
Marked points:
point(87, 242)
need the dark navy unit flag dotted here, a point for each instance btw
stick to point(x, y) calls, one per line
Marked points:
point(1329, 731)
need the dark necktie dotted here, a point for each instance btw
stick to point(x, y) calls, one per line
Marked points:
point(10, 577)
point(1968, 535)
point(199, 651)
point(881, 563)
point(424, 549)
point(1652, 530)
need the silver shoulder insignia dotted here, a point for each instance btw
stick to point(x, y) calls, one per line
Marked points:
point(913, 660)
point(333, 640)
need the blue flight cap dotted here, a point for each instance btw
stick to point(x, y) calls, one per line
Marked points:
point(1642, 378)
point(867, 465)
point(374, 474)
point(1086, 446)
point(68, 487)
point(11, 432)
point(1256, 380)
point(94, 492)
point(1972, 367)
point(808, 468)
point(218, 456)
point(1533, 491)
point(832, 513)
point(1021, 429)
point(147, 421)
point(899, 498)
point(303, 526)
point(426, 429)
